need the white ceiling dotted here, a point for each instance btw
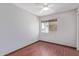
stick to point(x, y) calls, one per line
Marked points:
point(35, 8)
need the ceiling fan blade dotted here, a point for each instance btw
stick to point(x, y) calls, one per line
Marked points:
point(41, 10)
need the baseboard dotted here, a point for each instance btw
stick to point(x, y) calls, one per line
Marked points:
point(37, 42)
point(57, 44)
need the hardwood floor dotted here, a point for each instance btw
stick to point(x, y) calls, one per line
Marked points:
point(42, 48)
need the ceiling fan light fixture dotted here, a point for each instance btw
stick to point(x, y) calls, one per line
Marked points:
point(45, 8)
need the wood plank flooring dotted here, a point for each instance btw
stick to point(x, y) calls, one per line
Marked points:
point(42, 48)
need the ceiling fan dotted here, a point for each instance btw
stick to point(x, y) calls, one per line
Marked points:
point(46, 7)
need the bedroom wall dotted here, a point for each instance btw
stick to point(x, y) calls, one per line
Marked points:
point(18, 28)
point(78, 29)
point(66, 33)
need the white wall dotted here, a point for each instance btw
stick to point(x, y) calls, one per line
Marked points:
point(18, 28)
point(66, 29)
point(78, 29)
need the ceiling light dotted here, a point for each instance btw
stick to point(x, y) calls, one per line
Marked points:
point(45, 8)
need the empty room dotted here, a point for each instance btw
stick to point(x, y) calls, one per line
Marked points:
point(39, 29)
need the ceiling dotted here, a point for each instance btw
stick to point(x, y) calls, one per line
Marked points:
point(35, 8)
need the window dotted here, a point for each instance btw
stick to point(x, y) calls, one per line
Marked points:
point(49, 26)
point(44, 27)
